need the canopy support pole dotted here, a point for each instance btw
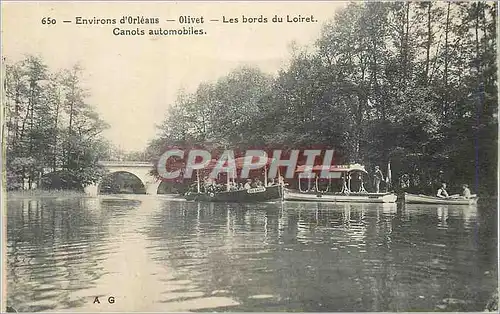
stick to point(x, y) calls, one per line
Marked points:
point(345, 189)
point(349, 182)
point(265, 175)
point(300, 184)
point(282, 181)
point(362, 186)
point(197, 181)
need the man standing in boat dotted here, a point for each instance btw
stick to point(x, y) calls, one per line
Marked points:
point(442, 191)
point(377, 178)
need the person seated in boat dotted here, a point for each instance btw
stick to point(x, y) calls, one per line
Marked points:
point(248, 184)
point(442, 191)
point(209, 188)
point(254, 183)
point(271, 182)
point(210, 184)
point(281, 180)
point(377, 178)
point(215, 187)
point(404, 181)
point(258, 183)
point(221, 187)
point(232, 186)
point(466, 191)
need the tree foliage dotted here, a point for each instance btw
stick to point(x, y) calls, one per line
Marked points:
point(50, 127)
point(413, 83)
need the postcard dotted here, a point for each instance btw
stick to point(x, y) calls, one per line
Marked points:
point(284, 156)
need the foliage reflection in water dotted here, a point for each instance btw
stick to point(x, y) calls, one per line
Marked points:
point(155, 254)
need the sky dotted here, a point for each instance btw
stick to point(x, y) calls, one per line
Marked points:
point(132, 80)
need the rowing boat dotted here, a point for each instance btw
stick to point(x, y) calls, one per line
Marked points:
point(425, 199)
point(291, 195)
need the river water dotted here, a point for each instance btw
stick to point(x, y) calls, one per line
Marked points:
point(152, 253)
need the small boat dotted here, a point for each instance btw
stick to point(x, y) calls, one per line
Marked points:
point(425, 199)
point(344, 173)
point(340, 197)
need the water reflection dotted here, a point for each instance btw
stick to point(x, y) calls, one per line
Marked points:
point(155, 254)
point(54, 249)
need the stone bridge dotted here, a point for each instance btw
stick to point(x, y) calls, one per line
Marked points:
point(139, 169)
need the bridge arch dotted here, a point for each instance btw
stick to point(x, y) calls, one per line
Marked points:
point(139, 169)
point(119, 182)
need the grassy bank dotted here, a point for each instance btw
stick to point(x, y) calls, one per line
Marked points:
point(42, 194)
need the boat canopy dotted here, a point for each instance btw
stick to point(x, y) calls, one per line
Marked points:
point(239, 162)
point(334, 168)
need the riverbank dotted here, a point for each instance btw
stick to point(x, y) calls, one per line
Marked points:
point(43, 194)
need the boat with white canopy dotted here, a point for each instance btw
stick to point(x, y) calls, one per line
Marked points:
point(322, 189)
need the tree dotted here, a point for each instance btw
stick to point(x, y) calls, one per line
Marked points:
point(50, 126)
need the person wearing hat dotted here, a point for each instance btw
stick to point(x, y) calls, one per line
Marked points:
point(377, 178)
point(466, 191)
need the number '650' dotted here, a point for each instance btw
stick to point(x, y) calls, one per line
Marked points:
point(48, 20)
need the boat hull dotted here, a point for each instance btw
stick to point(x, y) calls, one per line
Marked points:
point(262, 194)
point(425, 199)
point(291, 195)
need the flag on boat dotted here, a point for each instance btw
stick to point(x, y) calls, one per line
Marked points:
point(388, 178)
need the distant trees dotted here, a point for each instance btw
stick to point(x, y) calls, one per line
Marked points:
point(50, 127)
point(116, 153)
point(120, 182)
point(414, 83)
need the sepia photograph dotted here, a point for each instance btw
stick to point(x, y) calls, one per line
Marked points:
point(232, 156)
